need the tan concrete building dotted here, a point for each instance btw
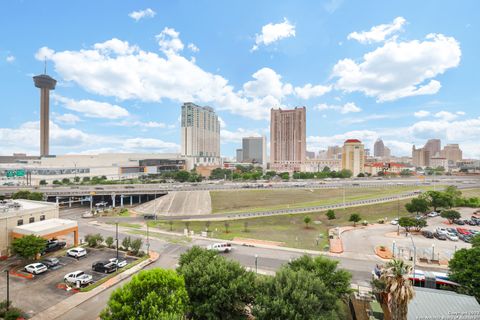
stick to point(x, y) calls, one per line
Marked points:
point(436, 162)
point(387, 167)
point(287, 139)
point(200, 134)
point(420, 157)
point(452, 153)
point(433, 146)
point(353, 156)
point(317, 165)
point(334, 152)
point(20, 213)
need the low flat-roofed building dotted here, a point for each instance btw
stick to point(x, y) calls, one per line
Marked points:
point(14, 213)
point(48, 229)
point(442, 304)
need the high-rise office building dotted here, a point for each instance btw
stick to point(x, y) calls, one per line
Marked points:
point(288, 137)
point(334, 152)
point(310, 155)
point(379, 148)
point(420, 157)
point(353, 156)
point(200, 134)
point(239, 155)
point(45, 83)
point(452, 153)
point(433, 146)
point(254, 150)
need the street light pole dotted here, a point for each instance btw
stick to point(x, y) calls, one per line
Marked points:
point(393, 248)
point(8, 288)
point(414, 258)
point(116, 236)
point(148, 241)
point(398, 215)
point(256, 263)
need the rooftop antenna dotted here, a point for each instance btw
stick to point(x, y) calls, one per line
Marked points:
point(45, 66)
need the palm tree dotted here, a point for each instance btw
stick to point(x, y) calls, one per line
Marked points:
point(398, 287)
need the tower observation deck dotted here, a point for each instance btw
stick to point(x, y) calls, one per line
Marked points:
point(45, 83)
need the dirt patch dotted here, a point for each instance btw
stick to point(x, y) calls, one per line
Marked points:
point(256, 241)
point(336, 245)
point(383, 253)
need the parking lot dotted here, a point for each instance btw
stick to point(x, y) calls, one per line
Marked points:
point(364, 240)
point(41, 292)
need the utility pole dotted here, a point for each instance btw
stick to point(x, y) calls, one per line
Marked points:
point(256, 263)
point(148, 241)
point(414, 258)
point(398, 215)
point(116, 236)
point(8, 288)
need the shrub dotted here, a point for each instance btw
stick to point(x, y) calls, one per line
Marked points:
point(136, 245)
point(126, 242)
point(330, 214)
point(109, 241)
point(94, 240)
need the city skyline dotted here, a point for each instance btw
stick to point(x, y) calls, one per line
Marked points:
point(281, 60)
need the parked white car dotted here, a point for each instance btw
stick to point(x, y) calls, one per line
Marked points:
point(36, 268)
point(451, 236)
point(120, 262)
point(76, 252)
point(78, 278)
point(443, 231)
point(433, 214)
point(394, 222)
point(220, 247)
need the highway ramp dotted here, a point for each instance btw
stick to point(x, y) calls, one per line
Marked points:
point(179, 203)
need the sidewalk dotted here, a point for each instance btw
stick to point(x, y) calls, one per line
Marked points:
point(71, 302)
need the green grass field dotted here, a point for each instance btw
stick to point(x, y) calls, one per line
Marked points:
point(259, 200)
point(289, 229)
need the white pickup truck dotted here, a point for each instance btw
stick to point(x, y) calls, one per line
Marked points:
point(79, 278)
point(220, 247)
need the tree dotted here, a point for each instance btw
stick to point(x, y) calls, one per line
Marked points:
point(207, 226)
point(398, 287)
point(109, 241)
point(245, 226)
point(417, 205)
point(29, 247)
point(354, 217)
point(408, 223)
point(94, 240)
point(475, 241)
point(57, 182)
point(439, 199)
point(76, 179)
point(43, 182)
point(464, 268)
point(170, 222)
point(284, 175)
point(65, 181)
point(450, 215)
point(453, 192)
point(86, 179)
point(330, 214)
point(136, 245)
point(182, 176)
point(336, 280)
point(405, 173)
point(151, 294)
point(295, 294)
point(25, 194)
point(218, 288)
point(226, 224)
point(126, 242)
point(37, 196)
point(361, 175)
point(307, 220)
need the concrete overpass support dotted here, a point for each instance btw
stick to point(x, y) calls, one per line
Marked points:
point(121, 200)
point(113, 200)
point(131, 200)
point(56, 200)
point(91, 203)
point(69, 202)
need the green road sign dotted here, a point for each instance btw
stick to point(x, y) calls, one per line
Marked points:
point(15, 173)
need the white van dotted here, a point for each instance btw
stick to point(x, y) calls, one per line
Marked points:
point(220, 247)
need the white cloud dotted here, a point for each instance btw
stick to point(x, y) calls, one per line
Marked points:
point(137, 15)
point(274, 32)
point(143, 124)
point(399, 69)
point(66, 118)
point(460, 113)
point(91, 108)
point(10, 58)
point(365, 118)
point(308, 91)
point(346, 108)
point(236, 136)
point(332, 5)
point(445, 115)
point(267, 83)
point(378, 33)
point(115, 46)
point(193, 47)
point(421, 114)
point(315, 143)
point(169, 41)
point(156, 145)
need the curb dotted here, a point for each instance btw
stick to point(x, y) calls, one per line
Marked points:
point(69, 303)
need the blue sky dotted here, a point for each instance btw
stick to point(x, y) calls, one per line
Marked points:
point(405, 71)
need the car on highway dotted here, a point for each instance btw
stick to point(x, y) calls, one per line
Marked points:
point(427, 234)
point(79, 278)
point(51, 262)
point(220, 247)
point(53, 245)
point(451, 236)
point(440, 236)
point(120, 263)
point(36, 268)
point(149, 216)
point(76, 252)
point(104, 266)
